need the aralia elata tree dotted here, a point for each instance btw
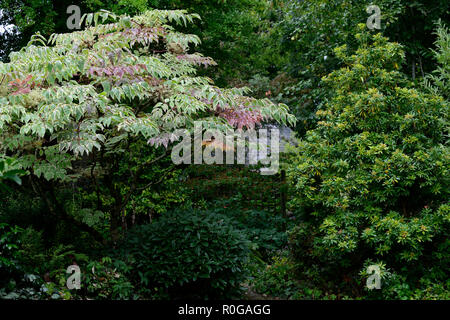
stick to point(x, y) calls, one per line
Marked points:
point(84, 94)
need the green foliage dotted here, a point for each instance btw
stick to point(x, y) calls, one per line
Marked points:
point(9, 253)
point(439, 80)
point(91, 97)
point(240, 187)
point(316, 27)
point(311, 30)
point(369, 180)
point(372, 179)
point(240, 194)
point(187, 253)
point(19, 251)
point(59, 258)
point(277, 279)
point(64, 90)
point(265, 230)
point(429, 284)
point(23, 257)
point(106, 279)
point(238, 34)
point(28, 288)
point(22, 208)
point(159, 184)
point(28, 17)
point(8, 171)
point(32, 250)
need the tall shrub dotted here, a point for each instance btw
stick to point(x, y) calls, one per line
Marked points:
point(372, 179)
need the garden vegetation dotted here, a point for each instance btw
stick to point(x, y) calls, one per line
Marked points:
point(88, 120)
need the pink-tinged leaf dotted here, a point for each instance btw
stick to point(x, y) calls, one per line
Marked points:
point(197, 60)
point(241, 117)
point(21, 91)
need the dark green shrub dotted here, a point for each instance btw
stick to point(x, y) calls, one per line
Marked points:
point(188, 253)
point(264, 229)
point(107, 279)
point(9, 252)
point(277, 279)
point(31, 250)
point(16, 281)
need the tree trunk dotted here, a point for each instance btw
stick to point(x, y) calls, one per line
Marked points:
point(56, 209)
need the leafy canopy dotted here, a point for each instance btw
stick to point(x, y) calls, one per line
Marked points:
point(121, 77)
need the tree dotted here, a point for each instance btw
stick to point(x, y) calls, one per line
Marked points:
point(235, 33)
point(29, 17)
point(80, 97)
point(8, 35)
point(372, 178)
point(313, 29)
point(439, 81)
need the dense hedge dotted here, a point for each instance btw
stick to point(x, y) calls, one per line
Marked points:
point(188, 253)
